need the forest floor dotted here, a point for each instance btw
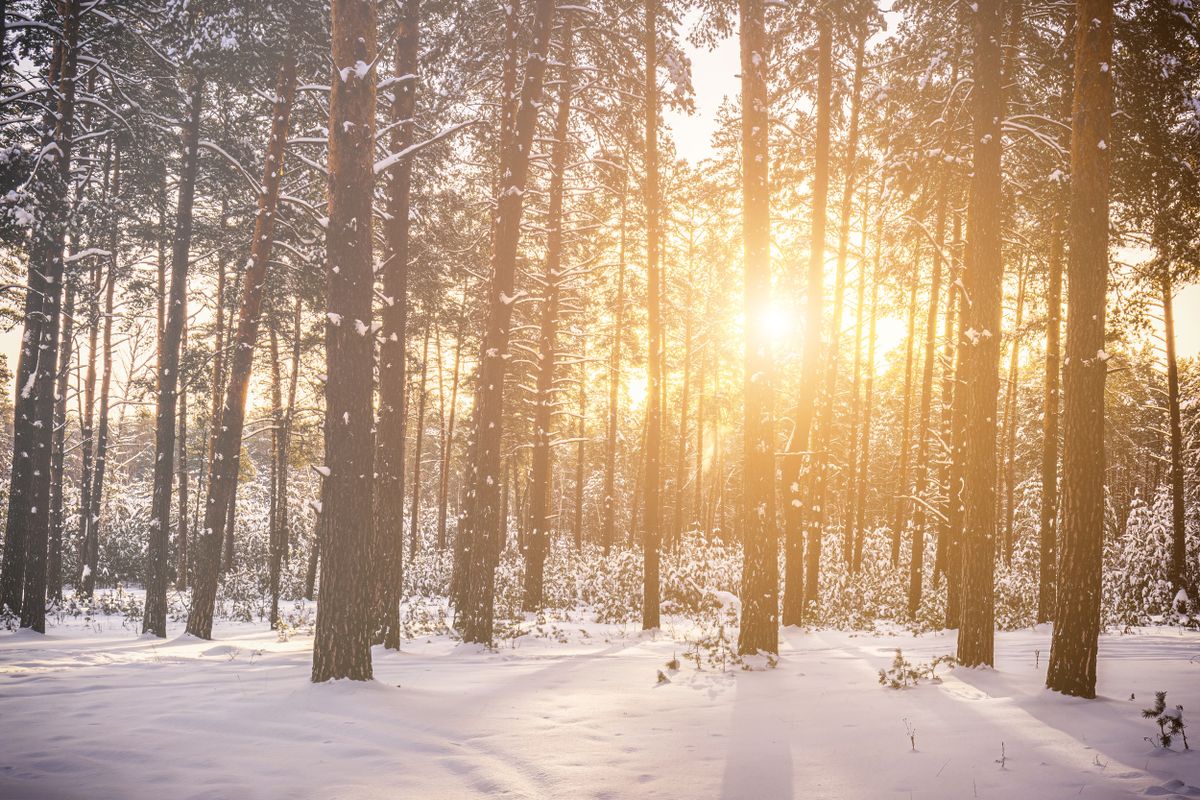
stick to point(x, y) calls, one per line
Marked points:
point(95, 711)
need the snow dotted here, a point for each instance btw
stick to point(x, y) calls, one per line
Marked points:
point(575, 709)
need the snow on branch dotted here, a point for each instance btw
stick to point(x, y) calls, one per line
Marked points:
point(388, 162)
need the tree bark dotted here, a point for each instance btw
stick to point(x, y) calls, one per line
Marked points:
point(608, 526)
point(983, 278)
point(26, 540)
point(797, 457)
point(1077, 611)
point(651, 535)
point(759, 630)
point(155, 619)
point(537, 542)
point(480, 522)
point(54, 550)
point(343, 639)
point(388, 534)
point(422, 396)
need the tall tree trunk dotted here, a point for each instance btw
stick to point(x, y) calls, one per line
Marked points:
point(54, 550)
point(759, 630)
point(608, 526)
point(224, 465)
point(1178, 566)
point(864, 448)
point(26, 540)
point(653, 451)
point(387, 543)
point(799, 508)
point(951, 534)
point(1011, 410)
point(277, 531)
point(681, 451)
point(1048, 518)
point(900, 497)
point(155, 619)
point(1077, 613)
point(90, 512)
point(916, 565)
point(580, 451)
point(422, 396)
point(181, 528)
point(343, 639)
point(480, 523)
point(448, 433)
point(824, 449)
point(537, 542)
point(983, 279)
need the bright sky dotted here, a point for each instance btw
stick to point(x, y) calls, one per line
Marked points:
point(714, 76)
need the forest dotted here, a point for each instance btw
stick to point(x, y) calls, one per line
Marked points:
point(420, 397)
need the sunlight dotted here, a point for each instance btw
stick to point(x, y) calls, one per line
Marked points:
point(777, 322)
point(637, 388)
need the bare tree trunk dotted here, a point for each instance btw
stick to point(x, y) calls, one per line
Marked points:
point(1048, 527)
point(480, 523)
point(54, 548)
point(181, 528)
point(1077, 613)
point(916, 563)
point(277, 532)
point(1178, 566)
point(759, 630)
point(580, 452)
point(537, 542)
point(1011, 411)
point(387, 543)
point(864, 449)
point(448, 437)
point(155, 619)
point(900, 497)
point(608, 526)
point(983, 279)
point(799, 507)
point(343, 640)
point(651, 538)
point(26, 540)
point(224, 465)
point(681, 453)
point(422, 396)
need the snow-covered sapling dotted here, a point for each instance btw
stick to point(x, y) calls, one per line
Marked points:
point(911, 731)
point(1170, 722)
point(903, 673)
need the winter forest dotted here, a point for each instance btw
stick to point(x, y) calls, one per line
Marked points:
point(599, 398)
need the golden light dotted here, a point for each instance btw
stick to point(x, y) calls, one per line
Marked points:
point(637, 387)
point(777, 322)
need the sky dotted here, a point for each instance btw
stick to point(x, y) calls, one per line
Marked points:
point(714, 76)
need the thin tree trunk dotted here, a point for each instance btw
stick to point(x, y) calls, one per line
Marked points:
point(608, 526)
point(799, 508)
point(1048, 518)
point(448, 439)
point(868, 405)
point(1178, 566)
point(224, 465)
point(681, 454)
point(54, 549)
point(537, 543)
point(387, 543)
point(181, 529)
point(155, 619)
point(580, 452)
point(653, 452)
point(1010, 418)
point(413, 527)
point(916, 565)
point(277, 532)
point(900, 497)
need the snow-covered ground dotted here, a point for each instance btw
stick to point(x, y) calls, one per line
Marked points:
point(578, 712)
